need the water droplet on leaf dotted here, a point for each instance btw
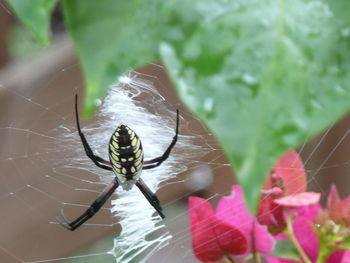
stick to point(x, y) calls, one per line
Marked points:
point(334, 70)
point(345, 32)
point(315, 104)
point(339, 89)
point(249, 79)
point(301, 63)
point(265, 22)
point(314, 32)
point(98, 102)
point(208, 105)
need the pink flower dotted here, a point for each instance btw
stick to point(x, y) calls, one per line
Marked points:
point(213, 238)
point(308, 239)
point(232, 209)
point(231, 230)
point(339, 210)
point(284, 188)
point(285, 202)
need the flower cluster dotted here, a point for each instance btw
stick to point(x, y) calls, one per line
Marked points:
point(290, 225)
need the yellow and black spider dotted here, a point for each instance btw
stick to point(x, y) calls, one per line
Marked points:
point(126, 161)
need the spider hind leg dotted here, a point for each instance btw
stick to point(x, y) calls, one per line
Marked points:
point(92, 210)
point(64, 222)
point(151, 197)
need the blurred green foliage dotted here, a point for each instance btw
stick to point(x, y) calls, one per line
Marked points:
point(21, 43)
point(285, 249)
point(35, 15)
point(263, 75)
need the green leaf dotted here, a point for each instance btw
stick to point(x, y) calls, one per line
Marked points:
point(340, 9)
point(285, 249)
point(344, 244)
point(112, 37)
point(264, 75)
point(35, 15)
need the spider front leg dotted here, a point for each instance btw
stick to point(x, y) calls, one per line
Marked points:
point(150, 196)
point(100, 162)
point(158, 161)
point(92, 210)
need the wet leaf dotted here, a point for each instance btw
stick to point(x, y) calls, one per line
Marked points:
point(264, 75)
point(111, 37)
point(35, 15)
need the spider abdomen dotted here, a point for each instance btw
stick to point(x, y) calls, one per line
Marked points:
point(126, 155)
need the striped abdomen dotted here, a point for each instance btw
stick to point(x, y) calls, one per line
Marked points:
point(126, 155)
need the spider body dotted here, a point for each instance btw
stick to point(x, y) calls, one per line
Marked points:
point(126, 156)
point(126, 161)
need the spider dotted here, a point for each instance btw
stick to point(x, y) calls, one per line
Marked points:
point(126, 161)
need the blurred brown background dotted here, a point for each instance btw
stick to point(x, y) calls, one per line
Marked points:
point(37, 88)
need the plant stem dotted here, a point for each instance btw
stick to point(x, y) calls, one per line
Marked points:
point(324, 253)
point(256, 257)
point(322, 256)
point(290, 233)
point(228, 259)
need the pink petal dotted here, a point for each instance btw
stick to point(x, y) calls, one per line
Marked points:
point(271, 214)
point(211, 237)
point(340, 256)
point(309, 212)
point(346, 257)
point(230, 239)
point(346, 201)
point(334, 205)
point(264, 214)
point(204, 243)
point(301, 199)
point(233, 211)
point(275, 191)
point(304, 233)
point(263, 240)
point(339, 210)
point(346, 210)
point(279, 260)
point(291, 169)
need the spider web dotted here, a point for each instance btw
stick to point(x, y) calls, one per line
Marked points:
point(127, 103)
point(44, 168)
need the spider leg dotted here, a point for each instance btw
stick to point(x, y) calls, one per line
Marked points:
point(100, 162)
point(158, 161)
point(150, 196)
point(91, 211)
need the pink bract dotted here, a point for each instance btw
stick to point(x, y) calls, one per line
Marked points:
point(301, 199)
point(339, 210)
point(288, 175)
point(307, 238)
point(212, 238)
point(290, 168)
point(233, 210)
point(231, 230)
